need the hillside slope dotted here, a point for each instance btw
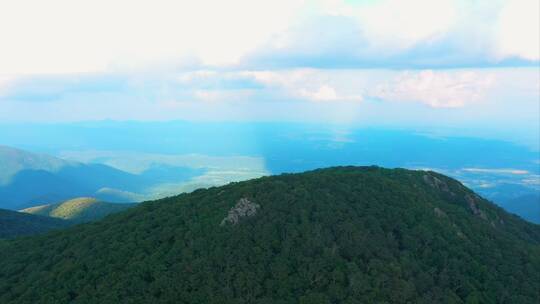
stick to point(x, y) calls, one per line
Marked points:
point(517, 199)
point(27, 179)
point(83, 209)
point(338, 235)
point(16, 160)
point(13, 224)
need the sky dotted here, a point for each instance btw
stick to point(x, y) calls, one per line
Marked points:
point(459, 66)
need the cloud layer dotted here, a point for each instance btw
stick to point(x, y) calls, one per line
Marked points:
point(76, 36)
point(451, 63)
point(436, 89)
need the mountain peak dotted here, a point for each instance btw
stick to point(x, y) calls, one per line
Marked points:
point(15, 160)
point(335, 235)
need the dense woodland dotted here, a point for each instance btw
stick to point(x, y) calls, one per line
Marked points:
point(338, 235)
point(13, 224)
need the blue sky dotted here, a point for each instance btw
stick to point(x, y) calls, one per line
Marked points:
point(464, 67)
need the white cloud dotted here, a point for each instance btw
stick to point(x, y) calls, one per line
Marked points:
point(407, 34)
point(190, 76)
point(486, 185)
point(6, 82)
point(222, 95)
point(78, 36)
point(74, 36)
point(402, 24)
point(437, 89)
point(533, 180)
point(496, 171)
point(310, 84)
point(324, 92)
point(519, 29)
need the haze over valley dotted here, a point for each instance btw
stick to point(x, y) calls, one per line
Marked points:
point(206, 156)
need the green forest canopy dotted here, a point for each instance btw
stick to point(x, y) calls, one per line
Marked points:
point(337, 235)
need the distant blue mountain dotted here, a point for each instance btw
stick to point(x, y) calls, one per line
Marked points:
point(286, 147)
point(516, 199)
point(40, 179)
point(527, 206)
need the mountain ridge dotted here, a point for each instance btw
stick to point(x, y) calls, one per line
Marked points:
point(83, 209)
point(15, 160)
point(33, 178)
point(343, 234)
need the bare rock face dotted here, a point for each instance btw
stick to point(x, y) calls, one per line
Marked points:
point(471, 199)
point(243, 208)
point(474, 207)
point(439, 212)
point(437, 183)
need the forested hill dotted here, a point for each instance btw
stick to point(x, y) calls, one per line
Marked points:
point(337, 235)
point(13, 224)
point(80, 210)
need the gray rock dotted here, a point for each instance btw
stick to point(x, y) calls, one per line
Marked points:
point(439, 212)
point(437, 183)
point(243, 208)
point(471, 200)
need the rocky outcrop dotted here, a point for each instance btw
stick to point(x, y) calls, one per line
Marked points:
point(243, 208)
point(437, 183)
point(439, 212)
point(471, 201)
